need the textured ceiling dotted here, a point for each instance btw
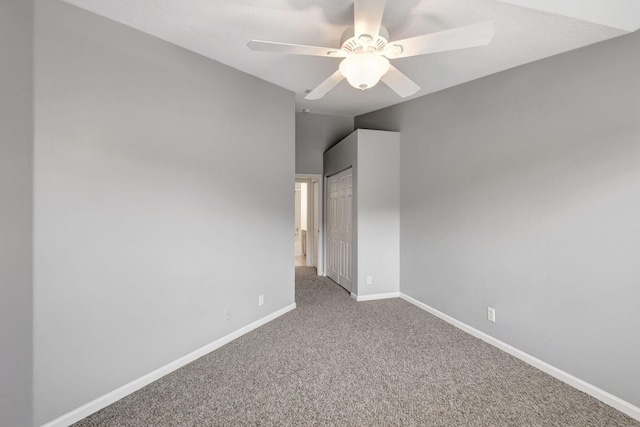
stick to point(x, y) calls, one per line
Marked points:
point(526, 30)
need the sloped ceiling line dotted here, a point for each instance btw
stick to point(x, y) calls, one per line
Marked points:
point(620, 14)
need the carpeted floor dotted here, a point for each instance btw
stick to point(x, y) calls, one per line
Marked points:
point(334, 361)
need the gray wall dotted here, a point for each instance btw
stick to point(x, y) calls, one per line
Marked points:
point(315, 133)
point(378, 212)
point(16, 209)
point(522, 191)
point(162, 195)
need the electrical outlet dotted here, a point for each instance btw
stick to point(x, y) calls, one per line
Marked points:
point(369, 280)
point(491, 314)
point(227, 313)
point(261, 300)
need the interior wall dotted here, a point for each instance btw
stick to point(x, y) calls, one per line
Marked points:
point(315, 134)
point(16, 211)
point(521, 191)
point(158, 175)
point(378, 212)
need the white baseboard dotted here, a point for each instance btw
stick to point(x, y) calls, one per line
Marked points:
point(374, 296)
point(603, 396)
point(117, 394)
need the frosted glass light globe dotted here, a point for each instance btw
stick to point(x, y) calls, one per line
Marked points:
point(364, 70)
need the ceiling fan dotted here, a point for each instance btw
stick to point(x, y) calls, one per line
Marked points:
point(366, 50)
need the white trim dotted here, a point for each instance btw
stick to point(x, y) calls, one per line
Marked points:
point(117, 394)
point(372, 297)
point(603, 396)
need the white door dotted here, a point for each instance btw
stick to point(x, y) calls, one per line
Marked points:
point(340, 228)
point(332, 228)
point(316, 228)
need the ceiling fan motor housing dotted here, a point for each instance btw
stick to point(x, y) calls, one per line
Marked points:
point(351, 44)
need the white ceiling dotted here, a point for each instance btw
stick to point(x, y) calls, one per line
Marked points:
point(526, 30)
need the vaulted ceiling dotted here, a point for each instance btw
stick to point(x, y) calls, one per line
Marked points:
point(526, 31)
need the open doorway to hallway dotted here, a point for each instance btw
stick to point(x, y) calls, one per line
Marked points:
point(308, 232)
point(302, 226)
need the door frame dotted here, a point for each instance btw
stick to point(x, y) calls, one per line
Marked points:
point(316, 243)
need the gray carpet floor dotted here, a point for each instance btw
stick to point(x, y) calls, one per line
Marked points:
point(334, 361)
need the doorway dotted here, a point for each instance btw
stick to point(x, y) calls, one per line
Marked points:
point(308, 231)
point(301, 216)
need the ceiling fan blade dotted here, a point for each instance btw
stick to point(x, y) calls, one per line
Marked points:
point(399, 83)
point(456, 38)
point(295, 49)
point(367, 17)
point(323, 88)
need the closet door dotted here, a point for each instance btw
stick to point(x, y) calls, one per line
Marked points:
point(345, 221)
point(340, 228)
point(332, 228)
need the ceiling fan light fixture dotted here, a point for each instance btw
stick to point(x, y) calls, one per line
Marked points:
point(367, 50)
point(364, 70)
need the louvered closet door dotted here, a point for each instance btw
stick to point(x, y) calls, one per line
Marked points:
point(340, 228)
